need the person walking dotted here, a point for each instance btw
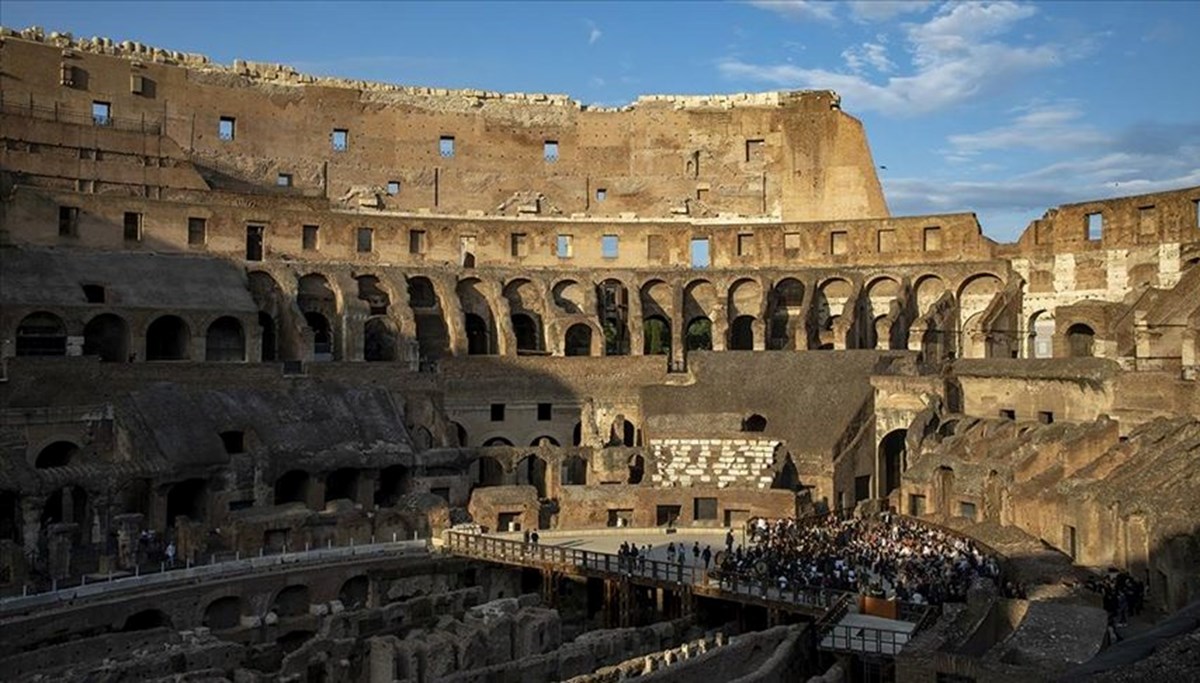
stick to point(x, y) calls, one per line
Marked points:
point(171, 554)
point(707, 555)
point(696, 552)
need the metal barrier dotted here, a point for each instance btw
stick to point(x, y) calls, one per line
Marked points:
point(866, 640)
point(62, 114)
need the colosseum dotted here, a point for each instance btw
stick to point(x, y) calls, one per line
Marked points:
point(308, 379)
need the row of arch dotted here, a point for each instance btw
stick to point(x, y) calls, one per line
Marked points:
point(107, 335)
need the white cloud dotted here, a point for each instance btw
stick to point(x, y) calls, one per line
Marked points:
point(883, 10)
point(955, 56)
point(868, 54)
point(1044, 127)
point(802, 10)
point(594, 32)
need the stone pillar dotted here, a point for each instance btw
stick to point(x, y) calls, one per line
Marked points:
point(31, 519)
point(679, 323)
point(60, 541)
point(129, 528)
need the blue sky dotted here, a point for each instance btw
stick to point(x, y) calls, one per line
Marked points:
point(1001, 108)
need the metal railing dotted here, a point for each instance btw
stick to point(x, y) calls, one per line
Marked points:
point(219, 568)
point(864, 640)
point(62, 114)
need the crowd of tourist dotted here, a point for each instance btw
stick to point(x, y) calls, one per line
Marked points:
point(884, 555)
point(1122, 594)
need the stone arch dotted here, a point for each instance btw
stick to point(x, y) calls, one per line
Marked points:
point(574, 471)
point(342, 484)
point(893, 460)
point(884, 328)
point(380, 339)
point(168, 338)
point(745, 298)
point(491, 472)
point(188, 498)
point(319, 303)
point(278, 325)
point(544, 440)
point(578, 340)
point(928, 289)
point(478, 318)
point(612, 304)
point(57, 454)
point(637, 468)
point(292, 487)
point(497, 441)
point(394, 482)
point(525, 306)
point(66, 505)
point(223, 613)
point(1081, 341)
point(322, 335)
point(754, 423)
point(225, 340)
point(656, 336)
point(355, 592)
point(699, 334)
point(41, 334)
point(107, 336)
point(531, 471)
point(786, 323)
point(422, 438)
point(974, 296)
point(741, 333)
point(460, 432)
point(700, 300)
point(374, 293)
point(787, 477)
point(569, 297)
point(292, 601)
point(145, 620)
point(1041, 335)
point(830, 301)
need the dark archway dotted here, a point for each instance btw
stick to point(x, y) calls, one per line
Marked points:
point(754, 423)
point(892, 453)
point(107, 336)
point(578, 341)
point(66, 505)
point(225, 340)
point(379, 340)
point(292, 601)
point(479, 338)
point(270, 343)
point(577, 434)
point(292, 487)
point(341, 484)
point(533, 471)
point(394, 482)
point(612, 301)
point(146, 620)
point(433, 340)
point(574, 471)
point(544, 441)
point(528, 333)
point(656, 336)
point(637, 469)
point(41, 334)
point(223, 613)
point(699, 335)
point(187, 499)
point(1081, 341)
point(322, 335)
point(168, 338)
point(741, 333)
point(787, 478)
point(355, 592)
point(57, 454)
point(628, 434)
point(497, 441)
point(491, 472)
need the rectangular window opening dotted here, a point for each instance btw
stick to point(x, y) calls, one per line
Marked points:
point(550, 150)
point(393, 187)
point(755, 150)
point(497, 412)
point(704, 509)
point(197, 231)
point(311, 238)
point(1008, 413)
point(101, 113)
point(137, 84)
point(966, 509)
point(543, 411)
point(933, 239)
point(68, 221)
point(446, 146)
point(609, 245)
point(620, 517)
point(601, 194)
point(1095, 226)
point(745, 244)
point(133, 226)
point(791, 244)
point(564, 246)
point(886, 241)
point(254, 242)
point(838, 243)
point(519, 245)
point(366, 240)
point(226, 127)
point(1046, 417)
point(667, 515)
point(700, 253)
point(416, 241)
point(283, 180)
point(916, 504)
point(94, 294)
point(341, 139)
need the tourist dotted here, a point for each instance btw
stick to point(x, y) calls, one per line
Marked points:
point(707, 555)
point(696, 552)
point(171, 554)
point(533, 537)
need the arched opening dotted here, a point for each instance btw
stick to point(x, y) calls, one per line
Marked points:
point(787, 478)
point(421, 293)
point(479, 338)
point(322, 335)
point(786, 322)
point(292, 601)
point(168, 338)
point(544, 441)
point(754, 423)
point(656, 336)
point(107, 336)
point(741, 334)
point(497, 441)
point(574, 471)
point(532, 471)
point(57, 454)
point(1081, 341)
point(433, 340)
point(187, 499)
point(67, 505)
point(10, 511)
point(135, 496)
point(292, 487)
point(892, 452)
point(1041, 335)
point(569, 297)
point(394, 482)
point(461, 432)
point(223, 613)
point(225, 340)
point(527, 332)
point(146, 620)
point(578, 341)
point(422, 438)
point(628, 433)
point(371, 291)
point(612, 301)
point(491, 472)
point(41, 334)
point(270, 343)
point(341, 484)
point(699, 335)
point(354, 592)
point(379, 340)
point(637, 468)
point(577, 434)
